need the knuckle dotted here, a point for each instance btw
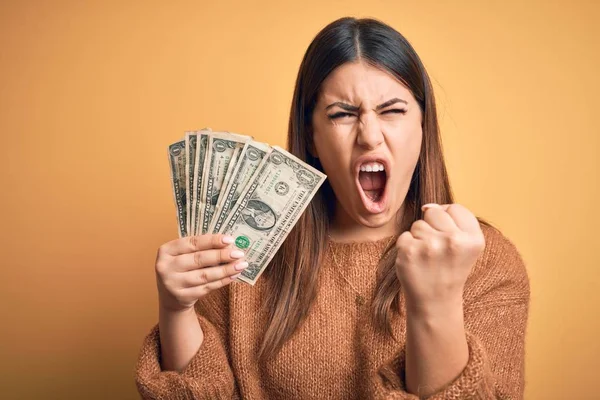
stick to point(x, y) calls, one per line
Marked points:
point(161, 267)
point(410, 251)
point(206, 289)
point(454, 244)
point(203, 291)
point(161, 251)
point(428, 250)
point(225, 281)
point(438, 245)
point(417, 224)
point(193, 241)
point(433, 247)
point(400, 258)
point(202, 277)
point(403, 240)
point(198, 258)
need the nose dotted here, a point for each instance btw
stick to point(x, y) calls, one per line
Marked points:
point(369, 132)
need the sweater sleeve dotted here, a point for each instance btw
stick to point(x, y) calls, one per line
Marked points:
point(496, 304)
point(208, 375)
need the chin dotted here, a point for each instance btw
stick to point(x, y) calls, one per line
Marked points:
point(374, 220)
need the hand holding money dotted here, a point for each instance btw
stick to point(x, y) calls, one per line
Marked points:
point(191, 267)
point(231, 184)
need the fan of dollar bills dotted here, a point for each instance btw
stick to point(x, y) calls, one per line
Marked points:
point(231, 184)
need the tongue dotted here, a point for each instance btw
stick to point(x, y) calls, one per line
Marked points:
point(372, 180)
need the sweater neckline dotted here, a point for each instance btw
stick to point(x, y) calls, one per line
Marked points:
point(378, 244)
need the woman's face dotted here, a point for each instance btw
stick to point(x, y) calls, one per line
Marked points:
point(367, 135)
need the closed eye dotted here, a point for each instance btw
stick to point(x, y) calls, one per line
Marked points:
point(340, 114)
point(395, 111)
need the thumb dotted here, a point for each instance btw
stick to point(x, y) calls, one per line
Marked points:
point(444, 207)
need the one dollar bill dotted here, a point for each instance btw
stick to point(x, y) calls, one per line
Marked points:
point(190, 159)
point(197, 179)
point(268, 208)
point(177, 157)
point(251, 157)
point(223, 149)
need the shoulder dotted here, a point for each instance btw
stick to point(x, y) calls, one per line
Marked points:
point(499, 275)
point(500, 252)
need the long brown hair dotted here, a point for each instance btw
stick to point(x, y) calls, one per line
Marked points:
point(292, 277)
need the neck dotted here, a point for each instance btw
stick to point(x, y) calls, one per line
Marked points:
point(345, 229)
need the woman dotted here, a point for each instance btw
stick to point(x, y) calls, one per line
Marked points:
point(384, 289)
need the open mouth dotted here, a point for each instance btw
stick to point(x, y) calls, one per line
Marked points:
point(372, 180)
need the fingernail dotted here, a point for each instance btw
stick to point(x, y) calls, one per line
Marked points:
point(430, 205)
point(227, 239)
point(241, 266)
point(237, 254)
point(235, 276)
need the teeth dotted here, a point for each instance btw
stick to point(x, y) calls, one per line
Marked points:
point(372, 167)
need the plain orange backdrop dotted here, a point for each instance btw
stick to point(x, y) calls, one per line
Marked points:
point(92, 92)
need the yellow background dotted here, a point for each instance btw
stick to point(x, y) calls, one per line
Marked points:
point(91, 94)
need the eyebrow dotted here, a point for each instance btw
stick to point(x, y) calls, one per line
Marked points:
point(349, 107)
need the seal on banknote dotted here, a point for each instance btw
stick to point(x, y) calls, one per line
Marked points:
point(220, 146)
point(282, 188)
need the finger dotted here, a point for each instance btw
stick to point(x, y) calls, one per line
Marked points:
point(439, 219)
point(206, 258)
point(435, 205)
point(406, 246)
point(222, 282)
point(405, 239)
point(463, 218)
point(192, 244)
point(421, 229)
point(198, 291)
point(209, 275)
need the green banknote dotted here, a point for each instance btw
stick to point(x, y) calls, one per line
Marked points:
point(252, 155)
point(190, 159)
point(222, 151)
point(177, 156)
point(197, 179)
point(269, 207)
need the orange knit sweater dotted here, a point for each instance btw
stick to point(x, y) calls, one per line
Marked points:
point(337, 353)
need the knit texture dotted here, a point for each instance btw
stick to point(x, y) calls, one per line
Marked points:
point(337, 353)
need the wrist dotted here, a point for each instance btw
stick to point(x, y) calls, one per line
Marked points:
point(167, 307)
point(446, 320)
point(177, 317)
point(450, 308)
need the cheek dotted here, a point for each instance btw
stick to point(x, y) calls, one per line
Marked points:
point(406, 149)
point(335, 159)
point(332, 148)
